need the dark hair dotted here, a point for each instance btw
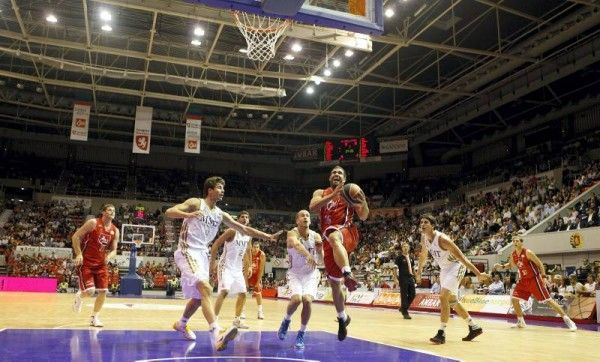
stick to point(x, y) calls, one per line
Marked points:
point(244, 212)
point(106, 206)
point(211, 183)
point(430, 218)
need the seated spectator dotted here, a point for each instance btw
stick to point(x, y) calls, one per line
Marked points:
point(497, 286)
point(590, 285)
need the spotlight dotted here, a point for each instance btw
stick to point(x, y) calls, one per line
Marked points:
point(310, 90)
point(51, 18)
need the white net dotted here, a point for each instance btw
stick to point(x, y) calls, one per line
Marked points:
point(261, 33)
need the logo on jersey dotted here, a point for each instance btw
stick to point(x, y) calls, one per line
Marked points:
point(210, 220)
point(104, 241)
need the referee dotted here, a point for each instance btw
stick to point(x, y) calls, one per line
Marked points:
point(405, 276)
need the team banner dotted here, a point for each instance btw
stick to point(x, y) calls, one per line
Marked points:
point(80, 124)
point(395, 146)
point(142, 130)
point(193, 127)
point(426, 301)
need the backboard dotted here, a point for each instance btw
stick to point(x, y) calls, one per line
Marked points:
point(131, 233)
point(361, 16)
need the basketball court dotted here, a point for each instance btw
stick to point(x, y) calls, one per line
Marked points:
point(43, 327)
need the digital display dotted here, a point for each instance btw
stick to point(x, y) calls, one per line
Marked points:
point(139, 212)
point(349, 149)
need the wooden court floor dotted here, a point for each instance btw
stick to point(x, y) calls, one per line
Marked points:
point(499, 342)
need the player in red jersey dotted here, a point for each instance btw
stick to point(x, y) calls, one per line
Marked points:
point(532, 282)
point(255, 280)
point(94, 244)
point(342, 237)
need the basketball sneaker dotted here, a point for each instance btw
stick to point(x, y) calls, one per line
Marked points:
point(439, 338)
point(570, 324)
point(474, 331)
point(520, 324)
point(226, 337)
point(96, 322)
point(77, 303)
point(185, 330)
point(240, 324)
point(283, 329)
point(243, 315)
point(299, 340)
point(261, 315)
point(342, 330)
point(350, 282)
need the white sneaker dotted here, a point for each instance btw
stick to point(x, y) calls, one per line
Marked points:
point(77, 303)
point(239, 324)
point(227, 336)
point(243, 315)
point(261, 315)
point(520, 324)
point(95, 322)
point(185, 330)
point(570, 324)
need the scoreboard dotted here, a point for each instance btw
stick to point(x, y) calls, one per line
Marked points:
point(349, 149)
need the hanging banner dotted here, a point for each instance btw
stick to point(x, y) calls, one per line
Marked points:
point(193, 127)
point(142, 130)
point(80, 124)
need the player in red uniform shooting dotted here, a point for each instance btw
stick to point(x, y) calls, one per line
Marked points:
point(338, 229)
point(532, 276)
point(94, 244)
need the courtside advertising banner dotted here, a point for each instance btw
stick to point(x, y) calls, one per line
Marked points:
point(387, 298)
point(499, 304)
point(193, 127)
point(142, 130)
point(80, 124)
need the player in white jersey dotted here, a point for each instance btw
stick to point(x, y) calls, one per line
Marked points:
point(230, 269)
point(202, 219)
point(305, 248)
point(452, 264)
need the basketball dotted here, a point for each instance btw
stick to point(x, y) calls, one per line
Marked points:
point(350, 193)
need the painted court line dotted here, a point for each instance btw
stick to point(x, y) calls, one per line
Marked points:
point(227, 357)
point(399, 347)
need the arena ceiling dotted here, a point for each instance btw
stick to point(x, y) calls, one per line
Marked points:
point(445, 73)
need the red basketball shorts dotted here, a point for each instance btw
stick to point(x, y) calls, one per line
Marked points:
point(93, 277)
point(350, 239)
point(527, 287)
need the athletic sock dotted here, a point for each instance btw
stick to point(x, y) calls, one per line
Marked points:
point(346, 269)
point(302, 327)
point(443, 326)
point(470, 322)
point(287, 317)
point(184, 320)
point(214, 326)
point(521, 319)
point(260, 308)
point(342, 315)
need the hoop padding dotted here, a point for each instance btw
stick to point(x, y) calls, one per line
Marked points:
point(261, 33)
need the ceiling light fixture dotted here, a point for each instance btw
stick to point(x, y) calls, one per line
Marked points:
point(106, 27)
point(389, 12)
point(51, 19)
point(349, 53)
point(327, 72)
point(296, 47)
point(310, 90)
point(288, 57)
point(196, 42)
point(105, 15)
point(243, 50)
point(198, 31)
point(336, 63)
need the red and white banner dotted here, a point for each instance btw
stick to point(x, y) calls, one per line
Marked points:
point(80, 124)
point(193, 127)
point(142, 131)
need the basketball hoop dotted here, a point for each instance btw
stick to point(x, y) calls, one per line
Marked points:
point(138, 242)
point(261, 33)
